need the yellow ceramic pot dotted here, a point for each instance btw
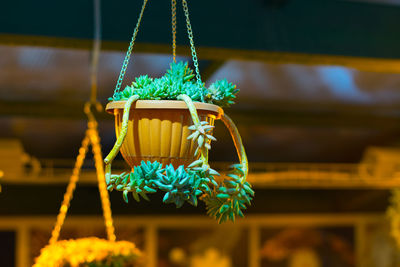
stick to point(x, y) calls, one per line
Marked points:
point(158, 130)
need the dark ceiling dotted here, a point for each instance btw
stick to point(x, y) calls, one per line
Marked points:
point(330, 27)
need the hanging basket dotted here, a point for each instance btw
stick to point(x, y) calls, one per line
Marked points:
point(164, 128)
point(158, 130)
point(91, 251)
point(144, 124)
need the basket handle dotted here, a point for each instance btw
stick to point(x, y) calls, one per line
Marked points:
point(237, 140)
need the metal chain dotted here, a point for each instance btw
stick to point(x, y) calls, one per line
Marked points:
point(173, 22)
point(105, 199)
point(70, 190)
point(129, 52)
point(95, 52)
point(91, 137)
point(192, 48)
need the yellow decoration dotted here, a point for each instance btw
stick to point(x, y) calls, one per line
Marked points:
point(82, 251)
point(74, 253)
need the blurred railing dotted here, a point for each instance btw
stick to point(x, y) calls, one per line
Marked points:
point(323, 175)
point(296, 175)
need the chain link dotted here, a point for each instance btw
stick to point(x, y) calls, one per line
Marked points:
point(173, 22)
point(129, 52)
point(192, 48)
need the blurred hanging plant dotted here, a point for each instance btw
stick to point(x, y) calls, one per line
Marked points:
point(88, 252)
point(178, 80)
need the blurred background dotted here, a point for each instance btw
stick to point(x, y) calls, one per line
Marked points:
point(318, 111)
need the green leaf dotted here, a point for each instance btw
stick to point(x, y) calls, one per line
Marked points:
point(144, 196)
point(209, 136)
point(166, 197)
point(222, 189)
point(196, 163)
point(135, 196)
point(233, 176)
point(223, 196)
point(200, 141)
point(125, 196)
point(224, 208)
point(193, 136)
point(149, 189)
point(213, 172)
point(192, 127)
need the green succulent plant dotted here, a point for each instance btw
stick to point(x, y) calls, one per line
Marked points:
point(179, 185)
point(180, 71)
point(142, 82)
point(178, 80)
point(140, 182)
point(226, 199)
point(230, 197)
point(222, 93)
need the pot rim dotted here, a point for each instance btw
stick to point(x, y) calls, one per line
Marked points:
point(164, 104)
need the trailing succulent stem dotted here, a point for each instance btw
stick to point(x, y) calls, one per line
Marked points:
point(178, 80)
point(237, 140)
point(232, 195)
point(114, 151)
point(201, 131)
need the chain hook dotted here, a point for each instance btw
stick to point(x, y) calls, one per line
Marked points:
point(87, 108)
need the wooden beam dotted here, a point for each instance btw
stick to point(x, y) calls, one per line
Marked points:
point(213, 53)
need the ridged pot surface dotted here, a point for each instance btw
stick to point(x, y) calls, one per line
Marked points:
point(158, 130)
